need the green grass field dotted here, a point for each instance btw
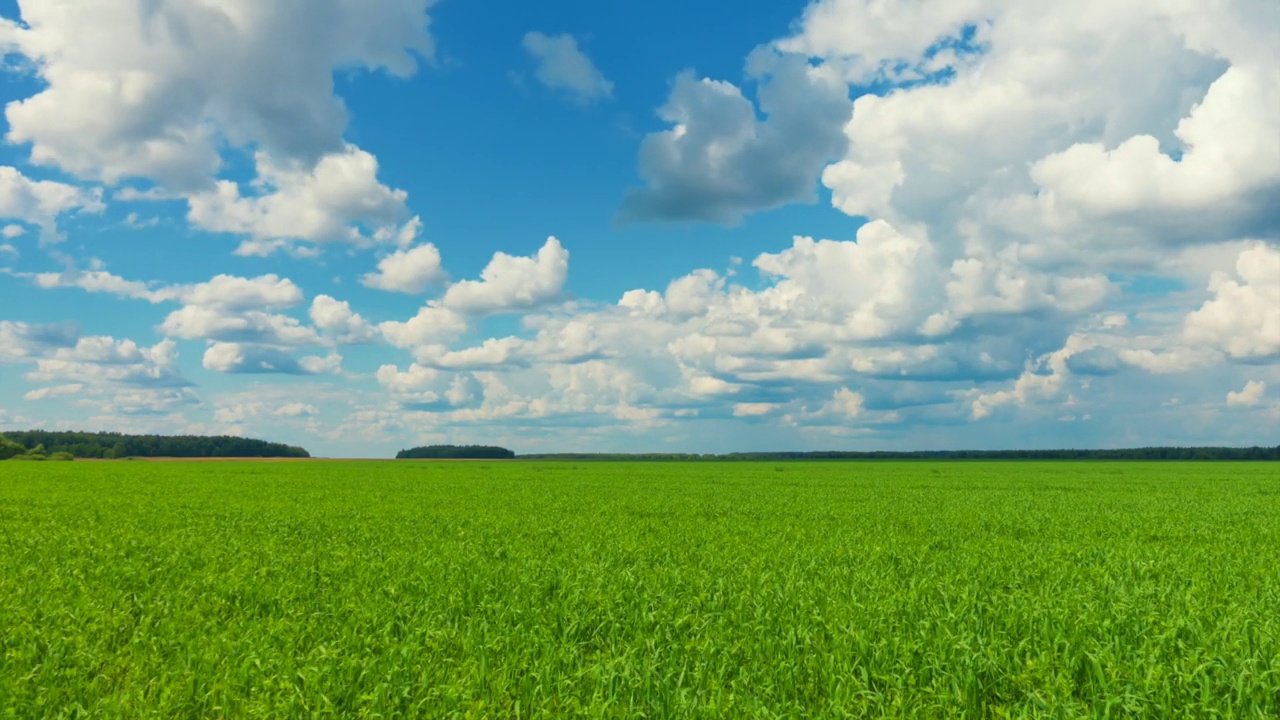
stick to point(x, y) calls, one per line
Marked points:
point(523, 589)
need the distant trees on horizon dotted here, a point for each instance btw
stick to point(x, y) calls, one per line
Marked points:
point(456, 452)
point(111, 445)
point(1148, 453)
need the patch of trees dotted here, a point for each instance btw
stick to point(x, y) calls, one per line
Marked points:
point(456, 452)
point(1149, 453)
point(10, 450)
point(116, 445)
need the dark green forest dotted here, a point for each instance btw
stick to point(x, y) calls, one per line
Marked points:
point(1150, 453)
point(116, 445)
point(456, 452)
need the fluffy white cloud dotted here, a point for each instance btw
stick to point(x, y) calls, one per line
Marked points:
point(226, 293)
point(145, 89)
point(337, 321)
point(295, 410)
point(20, 341)
point(96, 281)
point(1243, 318)
point(1171, 134)
point(753, 409)
point(408, 271)
point(1248, 396)
point(41, 202)
point(232, 357)
point(232, 293)
point(339, 199)
point(718, 162)
point(432, 324)
point(198, 322)
point(561, 65)
point(511, 282)
point(105, 361)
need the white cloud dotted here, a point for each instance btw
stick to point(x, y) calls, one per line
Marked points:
point(511, 283)
point(20, 341)
point(104, 362)
point(53, 391)
point(416, 378)
point(13, 231)
point(1248, 396)
point(41, 202)
point(718, 162)
point(432, 324)
point(493, 352)
point(295, 410)
point(337, 321)
point(339, 199)
point(407, 271)
point(1243, 318)
point(845, 403)
point(232, 357)
point(229, 292)
point(753, 409)
point(195, 322)
point(152, 89)
point(95, 281)
point(561, 65)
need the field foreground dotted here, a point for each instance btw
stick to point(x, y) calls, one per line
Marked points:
point(524, 589)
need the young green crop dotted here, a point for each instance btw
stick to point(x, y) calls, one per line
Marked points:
point(661, 590)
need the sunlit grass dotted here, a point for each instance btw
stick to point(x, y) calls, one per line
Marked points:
point(407, 589)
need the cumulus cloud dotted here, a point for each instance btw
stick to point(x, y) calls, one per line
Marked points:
point(178, 79)
point(1248, 396)
point(719, 161)
point(195, 322)
point(409, 271)
point(1243, 317)
point(232, 357)
point(95, 281)
point(561, 65)
point(511, 282)
point(230, 292)
point(296, 410)
point(339, 199)
point(42, 202)
point(339, 322)
point(118, 377)
point(20, 341)
point(432, 324)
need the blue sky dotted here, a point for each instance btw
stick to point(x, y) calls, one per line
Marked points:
point(361, 226)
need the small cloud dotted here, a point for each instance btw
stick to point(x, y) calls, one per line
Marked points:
point(293, 410)
point(408, 271)
point(12, 231)
point(1249, 396)
point(137, 223)
point(561, 65)
point(753, 409)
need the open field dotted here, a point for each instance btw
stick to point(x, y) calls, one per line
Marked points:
point(521, 589)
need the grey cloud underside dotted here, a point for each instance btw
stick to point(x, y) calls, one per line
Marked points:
point(721, 161)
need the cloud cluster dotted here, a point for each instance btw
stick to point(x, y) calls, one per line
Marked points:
point(150, 90)
point(719, 161)
point(158, 94)
point(41, 203)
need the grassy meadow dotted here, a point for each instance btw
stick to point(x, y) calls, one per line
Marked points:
point(662, 590)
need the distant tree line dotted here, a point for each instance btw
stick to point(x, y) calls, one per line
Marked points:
point(116, 445)
point(456, 452)
point(1148, 453)
point(10, 450)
